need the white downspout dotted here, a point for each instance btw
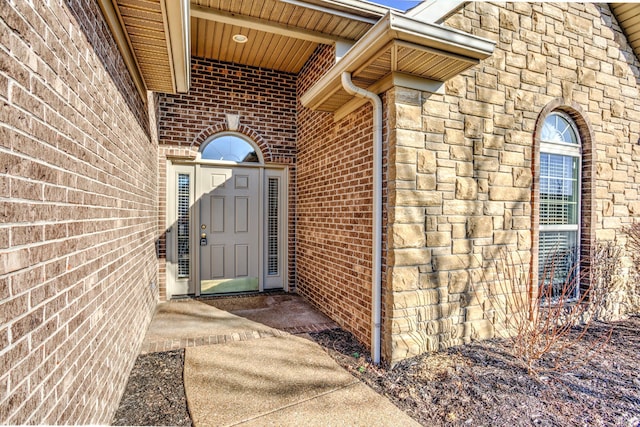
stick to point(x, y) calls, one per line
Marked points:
point(376, 285)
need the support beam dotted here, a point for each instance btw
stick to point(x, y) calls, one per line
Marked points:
point(262, 25)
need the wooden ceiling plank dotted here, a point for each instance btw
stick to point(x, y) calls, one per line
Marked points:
point(201, 36)
point(130, 21)
point(208, 37)
point(628, 11)
point(152, 5)
point(280, 45)
point(271, 27)
point(290, 55)
point(256, 43)
point(148, 15)
point(223, 43)
point(136, 39)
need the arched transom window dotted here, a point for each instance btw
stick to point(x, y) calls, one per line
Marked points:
point(229, 147)
point(560, 152)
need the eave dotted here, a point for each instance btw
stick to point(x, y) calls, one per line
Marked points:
point(153, 37)
point(628, 16)
point(398, 44)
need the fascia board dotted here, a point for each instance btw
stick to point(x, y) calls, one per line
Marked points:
point(435, 11)
point(359, 5)
point(178, 24)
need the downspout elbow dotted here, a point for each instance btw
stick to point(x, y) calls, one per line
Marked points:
point(376, 282)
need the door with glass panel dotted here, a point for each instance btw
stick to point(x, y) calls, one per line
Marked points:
point(229, 229)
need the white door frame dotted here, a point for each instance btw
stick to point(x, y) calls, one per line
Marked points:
point(176, 286)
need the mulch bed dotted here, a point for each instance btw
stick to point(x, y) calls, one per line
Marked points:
point(154, 395)
point(476, 384)
point(482, 384)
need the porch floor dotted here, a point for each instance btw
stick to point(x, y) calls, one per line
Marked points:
point(215, 320)
point(244, 364)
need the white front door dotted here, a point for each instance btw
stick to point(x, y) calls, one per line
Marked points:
point(226, 229)
point(229, 229)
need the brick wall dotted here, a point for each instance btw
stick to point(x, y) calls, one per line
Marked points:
point(265, 101)
point(77, 216)
point(334, 234)
point(461, 180)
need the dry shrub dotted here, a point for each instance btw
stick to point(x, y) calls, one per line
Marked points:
point(544, 321)
point(630, 288)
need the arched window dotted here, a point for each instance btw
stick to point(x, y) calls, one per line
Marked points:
point(229, 147)
point(560, 201)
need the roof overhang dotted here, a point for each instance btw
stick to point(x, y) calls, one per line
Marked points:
point(628, 16)
point(153, 37)
point(401, 45)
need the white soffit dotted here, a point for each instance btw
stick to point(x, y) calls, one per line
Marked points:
point(628, 16)
point(153, 37)
point(398, 44)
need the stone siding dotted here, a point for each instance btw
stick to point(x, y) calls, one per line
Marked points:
point(78, 170)
point(264, 99)
point(462, 182)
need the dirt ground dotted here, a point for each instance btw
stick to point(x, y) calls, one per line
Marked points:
point(482, 385)
point(478, 384)
point(155, 392)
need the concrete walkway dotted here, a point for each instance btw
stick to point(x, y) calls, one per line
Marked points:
point(245, 366)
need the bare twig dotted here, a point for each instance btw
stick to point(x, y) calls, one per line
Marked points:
point(545, 319)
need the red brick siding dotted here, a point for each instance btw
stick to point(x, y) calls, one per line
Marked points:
point(78, 208)
point(334, 234)
point(264, 99)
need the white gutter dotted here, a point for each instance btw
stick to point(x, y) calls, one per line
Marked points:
point(376, 261)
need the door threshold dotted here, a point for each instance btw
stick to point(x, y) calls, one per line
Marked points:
point(246, 294)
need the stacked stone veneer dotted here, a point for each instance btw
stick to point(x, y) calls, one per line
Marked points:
point(77, 216)
point(461, 185)
point(264, 100)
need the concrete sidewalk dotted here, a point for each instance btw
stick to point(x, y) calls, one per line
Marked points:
point(279, 381)
point(243, 366)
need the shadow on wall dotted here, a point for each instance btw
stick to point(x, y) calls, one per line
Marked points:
point(89, 18)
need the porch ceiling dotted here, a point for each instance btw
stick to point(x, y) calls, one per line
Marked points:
point(628, 16)
point(282, 34)
point(157, 37)
point(144, 24)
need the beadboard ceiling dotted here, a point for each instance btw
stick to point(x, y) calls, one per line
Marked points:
point(628, 16)
point(281, 35)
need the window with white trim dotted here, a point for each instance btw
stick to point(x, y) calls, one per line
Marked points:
point(559, 236)
point(228, 147)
